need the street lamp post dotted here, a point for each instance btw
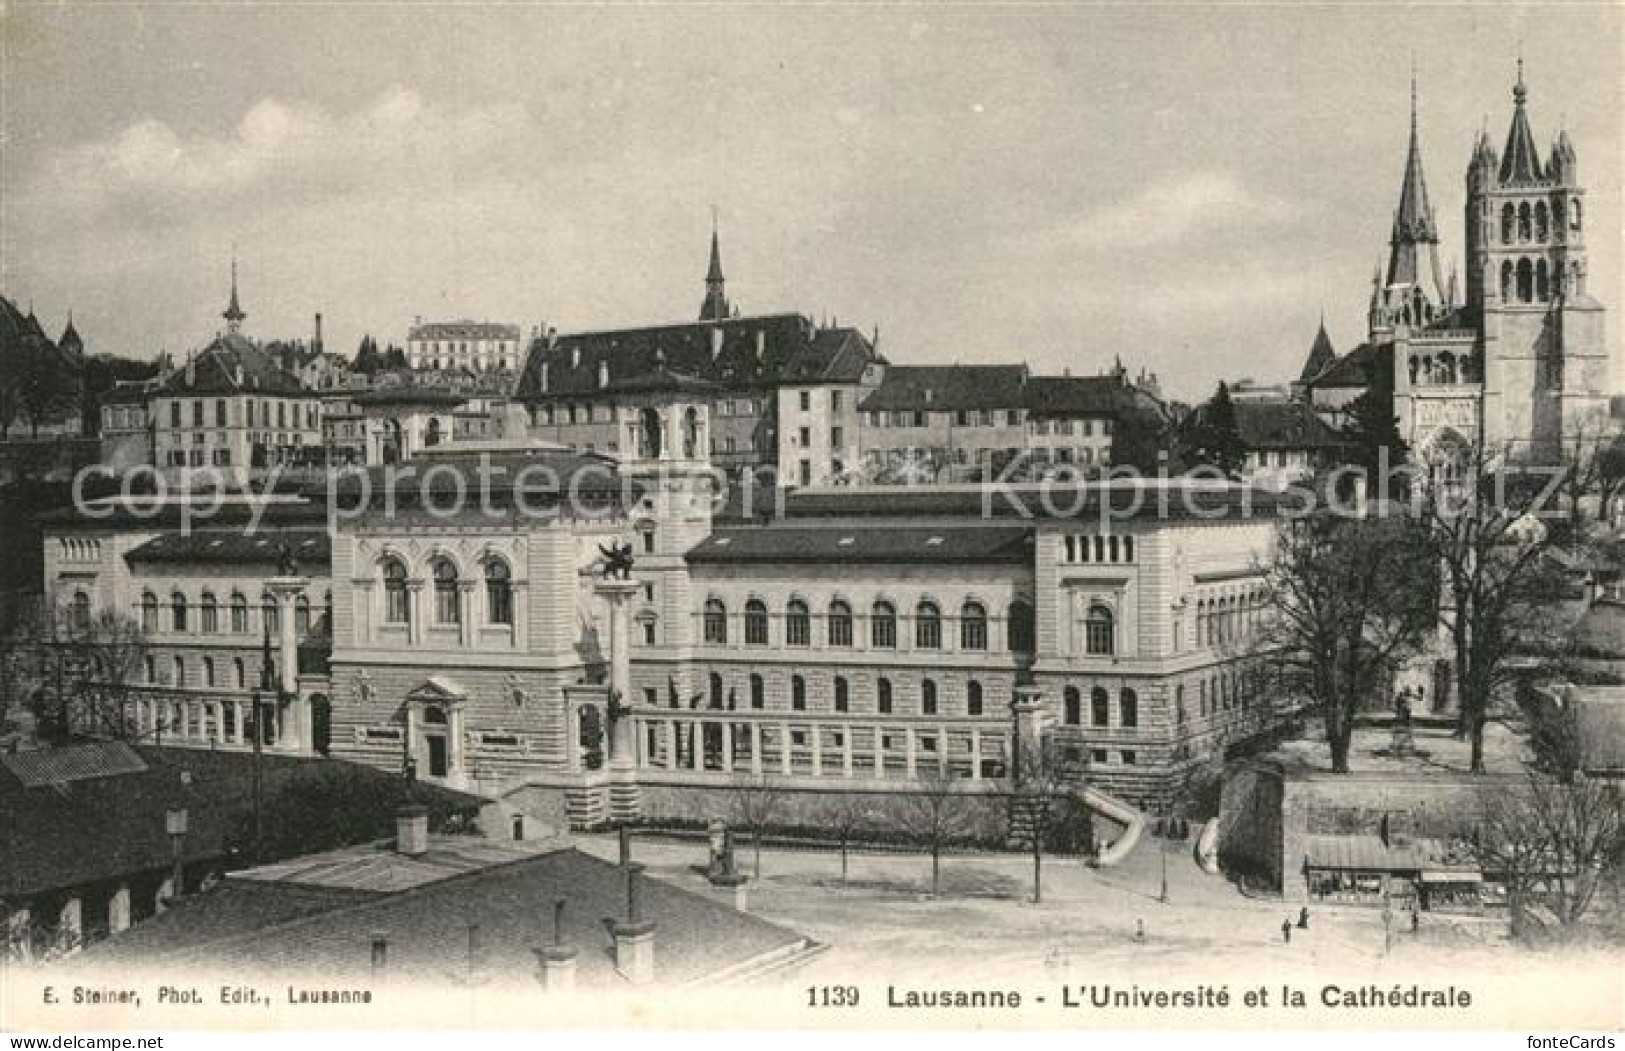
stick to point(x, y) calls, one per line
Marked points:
point(175, 823)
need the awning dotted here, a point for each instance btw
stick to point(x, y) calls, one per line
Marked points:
point(1453, 877)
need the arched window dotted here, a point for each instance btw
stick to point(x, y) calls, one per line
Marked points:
point(1523, 221)
point(716, 621)
point(798, 693)
point(301, 615)
point(397, 608)
point(239, 674)
point(177, 611)
point(883, 696)
point(149, 612)
point(758, 692)
point(1542, 226)
point(756, 623)
point(208, 613)
point(883, 626)
point(179, 665)
point(149, 669)
point(1506, 279)
point(840, 623)
point(1100, 703)
point(447, 603)
point(797, 624)
point(81, 610)
point(1526, 281)
point(1098, 634)
point(715, 683)
point(1128, 708)
point(973, 698)
point(273, 616)
point(498, 592)
point(1543, 282)
point(928, 697)
point(1072, 707)
point(1019, 626)
point(208, 671)
point(843, 698)
point(927, 626)
point(972, 626)
point(239, 614)
point(1509, 219)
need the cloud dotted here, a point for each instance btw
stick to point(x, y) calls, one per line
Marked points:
point(1173, 211)
point(277, 148)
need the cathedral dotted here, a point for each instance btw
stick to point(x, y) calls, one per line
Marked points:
point(1517, 359)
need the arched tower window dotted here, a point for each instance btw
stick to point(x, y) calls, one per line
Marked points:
point(883, 626)
point(397, 610)
point(716, 621)
point(927, 626)
point(972, 626)
point(447, 602)
point(1524, 224)
point(1506, 279)
point(1526, 281)
point(839, 623)
point(756, 623)
point(1509, 219)
point(1542, 228)
point(797, 624)
point(1099, 631)
point(1543, 282)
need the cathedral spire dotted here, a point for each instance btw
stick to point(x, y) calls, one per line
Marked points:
point(715, 307)
point(1415, 233)
point(1520, 161)
point(233, 313)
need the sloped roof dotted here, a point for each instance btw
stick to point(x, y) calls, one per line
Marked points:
point(948, 388)
point(1520, 161)
point(752, 352)
point(866, 543)
point(312, 548)
point(833, 355)
point(1321, 354)
point(56, 766)
point(248, 926)
point(1356, 368)
point(1282, 425)
point(230, 365)
point(463, 330)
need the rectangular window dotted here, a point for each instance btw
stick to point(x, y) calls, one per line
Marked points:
point(835, 437)
point(806, 401)
point(1128, 758)
point(805, 434)
point(835, 400)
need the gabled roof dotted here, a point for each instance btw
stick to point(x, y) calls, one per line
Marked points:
point(833, 355)
point(948, 388)
point(733, 353)
point(1070, 396)
point(1357, 368)
point(230, 365)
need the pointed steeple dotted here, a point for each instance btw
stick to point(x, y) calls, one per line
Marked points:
point(715, 307)
point(1520, 161)
point(1321, 354)
point(233, 313)
point(1415, 232)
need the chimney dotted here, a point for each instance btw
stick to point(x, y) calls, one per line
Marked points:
point(635, 938)
point(316, 341)
point(412, 830)
point(557, 962)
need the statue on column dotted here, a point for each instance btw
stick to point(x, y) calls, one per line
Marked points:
point(617, 561)
point(287, 565)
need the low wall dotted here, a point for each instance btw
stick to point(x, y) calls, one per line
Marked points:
point(980, 817)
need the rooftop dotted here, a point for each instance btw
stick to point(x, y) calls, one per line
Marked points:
point(826, 544)
point(948, 388)
point(310, 547)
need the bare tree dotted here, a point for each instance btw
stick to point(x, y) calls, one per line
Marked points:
point(1553, 840)
point(77, 667)
point(1490, 536)
point(935, 814)
point(846, 818)
point(1347, 600)
point(1043, 784)
point(755, 801)
point(1592, 465)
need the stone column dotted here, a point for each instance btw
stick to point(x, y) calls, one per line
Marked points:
point(817, 732)
point(846, 751)
point(285, 590)
point(910, 769)
point(756, 749)
point(727, 747)
point(975, 754)
point(465, 612)
point(671, 744)
point(880, 753)
point(414, 612)
point(617, 594)
point(784, 749)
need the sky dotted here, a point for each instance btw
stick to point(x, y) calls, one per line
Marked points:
point(1186, 188)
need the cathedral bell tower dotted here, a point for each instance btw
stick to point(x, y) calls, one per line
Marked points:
point(1546, 366)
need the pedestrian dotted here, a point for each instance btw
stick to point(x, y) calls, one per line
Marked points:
point(1303, 918)
point(1286, 930)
